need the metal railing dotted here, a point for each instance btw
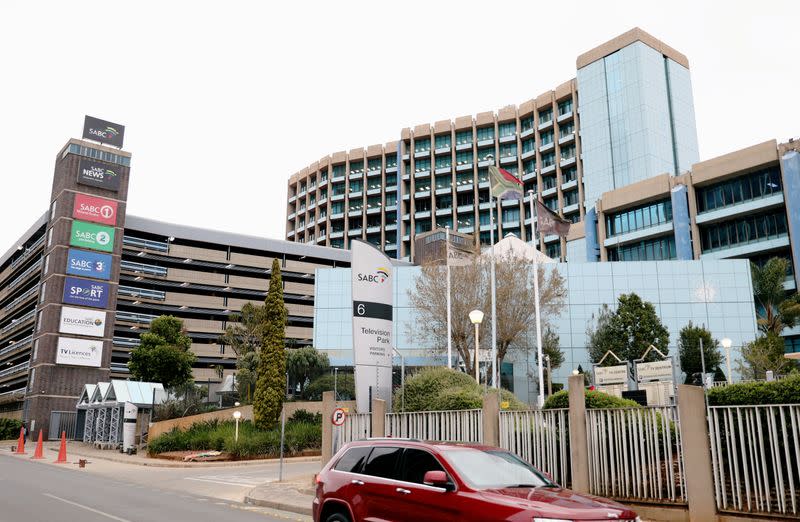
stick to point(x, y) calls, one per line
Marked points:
point(356, 426)
point(636, 454)
point(541, 437)
point(25, 295)
point(463, 426)
point(15, 369)
point(28, 252)
point(755, 451)
point(16, 322)
point(24, 275)
point(17, 345)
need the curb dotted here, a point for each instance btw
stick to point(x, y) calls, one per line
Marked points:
point(282, 506)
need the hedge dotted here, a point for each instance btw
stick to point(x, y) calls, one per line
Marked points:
point(594, 400)
point(784, 391)
point(9, 428)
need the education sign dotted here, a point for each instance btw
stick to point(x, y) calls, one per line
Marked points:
point(88, 264)
point(80, 321)
point(372, 324)
point(79, 352)
point(89, 235)
point(98, 174)
point(97, 210)
point(85, 292)
point(103, 131)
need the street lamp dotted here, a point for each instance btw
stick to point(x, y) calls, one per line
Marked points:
point(726, 343)
point(476, 316)
point(237, 415)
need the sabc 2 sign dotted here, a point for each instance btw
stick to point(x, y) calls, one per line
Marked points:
point(98, 174)
point(79, 352)
point(97, 210)
point(85, 292)
point(79, 321)
point(89, 235)
point(89, 264)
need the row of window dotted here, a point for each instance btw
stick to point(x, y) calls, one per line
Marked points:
point(638, 218)
point(658, 249)
point(751, 186)
point(743, 230)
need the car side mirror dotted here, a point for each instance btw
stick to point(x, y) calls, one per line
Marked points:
point(437, 479)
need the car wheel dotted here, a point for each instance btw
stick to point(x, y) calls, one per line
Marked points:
point(338, 517)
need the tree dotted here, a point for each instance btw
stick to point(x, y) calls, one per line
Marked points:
point(689, 351)
point(247, 374)
point(246, 337)
point(305, 364)
point(163, 354)
point(271, 382)
point(470, 290)
point(762, 355)
point(775, 312)
point(628, 331)
point(551, 349)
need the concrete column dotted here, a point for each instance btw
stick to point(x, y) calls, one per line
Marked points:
point(681, 223)
point(696, 452)
point(491, 418)
point(578, 443)
point(328, 405)
point(378, 420)
point(790, 170)
point(591, 234)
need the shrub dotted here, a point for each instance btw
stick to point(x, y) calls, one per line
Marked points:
point(594, 399)
point(784, 391)
point(9, 428)
point(345, 387)
point(305, 416)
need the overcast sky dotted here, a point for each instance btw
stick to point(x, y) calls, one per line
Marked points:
point(223, 101)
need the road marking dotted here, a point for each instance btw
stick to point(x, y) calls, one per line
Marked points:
point(241, 484)
point(87, 508)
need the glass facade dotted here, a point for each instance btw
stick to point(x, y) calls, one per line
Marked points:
point(638, 218)
point(658, 249)
point(759, 184)
point(743, 230)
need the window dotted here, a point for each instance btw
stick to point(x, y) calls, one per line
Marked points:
point(391, 180)
point(464, 157)
point(528, 145)
point(374, 164)
point(751, 186)
point(485, 133)
point(485, 153)
point(463, 137)
point(338, 171)
point(570, 198)
point(510, 214)
point(552, 203)
point(466, 220)
point(391, 199)
point(444, 161)
point(506, 129)
point(374, 202)
point(323, 194)
point(547, 138)
point(416, 463)
point(374, 182)
point(356, 186)
point(567, 153)
point(545, 115)
point(530, 186)
point(483, 175)
point(465, 199)
point(444, 202)
point(565, 107)
point(446, 221)
point(464, 178)
point(443, 181)
point(443, 140)
point(548, 160)
point(637, 218)
point(529, 166)
point(422, 145)
point(508, 150)
point(323, 175)
point(548, 182)
point(565, 130)
point(422, 165)
point(337, 207)
point(422, 186)
point(483, 218)
point(553, 250)
point(391, 160)
point(423, 226)
point(648, 250)
point(337, 189)
point(747, 229)
point(526, 123)
point(422, 205)
point(570, 174)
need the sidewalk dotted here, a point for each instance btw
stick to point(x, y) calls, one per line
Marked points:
point(295, 496)
point(87, 451)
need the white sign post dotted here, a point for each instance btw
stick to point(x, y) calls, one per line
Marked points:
point(372, 324)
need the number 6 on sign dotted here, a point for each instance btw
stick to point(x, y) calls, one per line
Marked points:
point(361, 309)
point(337, 419)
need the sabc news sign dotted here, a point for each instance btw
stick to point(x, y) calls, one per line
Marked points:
point(84, 292)
point(89, 235)
point(89, 264)
point(98, 174)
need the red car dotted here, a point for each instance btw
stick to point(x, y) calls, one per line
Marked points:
point(408, 480)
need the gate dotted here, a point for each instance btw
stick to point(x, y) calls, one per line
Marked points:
point(540, 437)
point(356, 426)
point(62, 421)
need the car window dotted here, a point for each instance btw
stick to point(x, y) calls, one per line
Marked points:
point(382, 462)
point(353, 459)
point(416, 463)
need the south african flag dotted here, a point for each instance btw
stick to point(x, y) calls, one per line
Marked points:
point(505, 185)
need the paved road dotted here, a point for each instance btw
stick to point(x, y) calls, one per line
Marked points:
point(36, 491)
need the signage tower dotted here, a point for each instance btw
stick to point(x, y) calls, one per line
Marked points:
point(80, 273)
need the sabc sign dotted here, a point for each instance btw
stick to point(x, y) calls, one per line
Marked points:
point(79, 352)
point(84, 292)
point(98, 174)
point(80, 321)
point(89, 235)
point(103, 131)
point(89, 264)
point(97, 210)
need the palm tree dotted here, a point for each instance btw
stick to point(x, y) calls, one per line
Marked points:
point(774, 310)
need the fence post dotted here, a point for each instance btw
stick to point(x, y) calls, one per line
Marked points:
point(378, 420)
point(491, 418)
point(578, 443)
point(328, 405)
point(696, 452)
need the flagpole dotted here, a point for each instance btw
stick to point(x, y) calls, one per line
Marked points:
point(536, 301)
point(449, 312)
point(494, 296)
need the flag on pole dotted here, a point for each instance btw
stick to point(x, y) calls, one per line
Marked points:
point(504, 184)
point(549, 222)
point(458, 255)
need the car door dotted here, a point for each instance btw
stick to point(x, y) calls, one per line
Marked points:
point(381, 499)
point(346, 480)
point(420, 501)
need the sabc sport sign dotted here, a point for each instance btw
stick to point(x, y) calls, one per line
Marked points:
point(97, 210)
point(97, 174)
point(89, 235)
point(84, 292)
point(103, 131)
point(79, 352)
point(89, 264)
point(79, 321)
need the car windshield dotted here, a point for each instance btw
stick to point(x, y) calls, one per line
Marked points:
point(488, 469)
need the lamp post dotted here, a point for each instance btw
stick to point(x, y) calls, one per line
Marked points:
point(237, 415)
point(726, 343)
point(476, 316)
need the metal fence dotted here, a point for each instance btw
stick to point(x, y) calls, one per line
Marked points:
point(636, 454)
point(62, 421)
point(463, 426)
point(755, 454)
point(356, 426)
point(541, 437)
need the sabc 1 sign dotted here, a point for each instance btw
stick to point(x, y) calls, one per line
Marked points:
point(89, 264)
point(80, 321)
point(79, 352)
point(103, 131)
point(89, 235)
point(98, 174)
point(97, 210)
point(84, 292)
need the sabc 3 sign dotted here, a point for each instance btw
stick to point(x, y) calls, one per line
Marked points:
point(97, 210)
point(89, 235)
point(84, 292)
point(89, 264)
